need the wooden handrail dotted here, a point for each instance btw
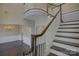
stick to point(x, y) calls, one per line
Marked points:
point(61, 13)
point(32, 44)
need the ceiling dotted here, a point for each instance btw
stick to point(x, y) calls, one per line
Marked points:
point(35, 15)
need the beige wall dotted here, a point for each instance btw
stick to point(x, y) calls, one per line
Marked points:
point(28, 6)
point(0, 12)
point(70, 7)
point(67, 7)
point(40, 5)
point(12, 13)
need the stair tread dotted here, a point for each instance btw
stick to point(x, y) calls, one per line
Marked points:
point(68, 28)
point(66, 22)
point(65, 51)
point(67, 40)
point(68, 47)
point(69, 24)
point(58, 53)
point(67, 37)
point(67, 43)
point(73, 35)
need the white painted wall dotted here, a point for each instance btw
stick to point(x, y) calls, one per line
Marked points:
point(31, 24)
point(27, 36)
point(30, 29)
point(11, 38)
